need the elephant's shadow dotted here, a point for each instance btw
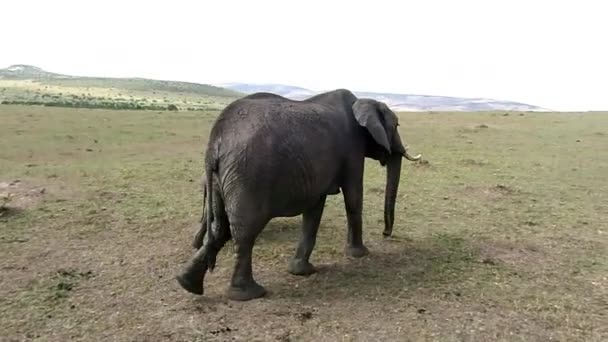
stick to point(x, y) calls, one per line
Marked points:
point(393, 267)
point(281, 231)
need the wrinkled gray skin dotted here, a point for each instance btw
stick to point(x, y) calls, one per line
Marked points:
point(269, 157)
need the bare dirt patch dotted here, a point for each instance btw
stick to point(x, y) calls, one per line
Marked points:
point(510, 253)
point(474, 129)
point(16, 196)
point(492, 192)
point(422, 164)
point(473, 162)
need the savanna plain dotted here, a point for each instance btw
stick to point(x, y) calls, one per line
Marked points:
point(501, 234)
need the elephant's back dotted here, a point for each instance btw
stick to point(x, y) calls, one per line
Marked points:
point(281, 154)
point(274, 120)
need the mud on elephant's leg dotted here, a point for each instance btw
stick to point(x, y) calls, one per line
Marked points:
point(300, 264)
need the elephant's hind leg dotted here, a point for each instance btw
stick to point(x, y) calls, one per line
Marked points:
point(300, 264)
point(193, 277)
point(242, 286)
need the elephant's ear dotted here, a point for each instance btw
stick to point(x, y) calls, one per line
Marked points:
point(367, 115)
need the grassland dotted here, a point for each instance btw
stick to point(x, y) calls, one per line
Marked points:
point(501, 235)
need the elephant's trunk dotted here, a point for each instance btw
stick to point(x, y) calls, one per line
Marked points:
point(393, 173)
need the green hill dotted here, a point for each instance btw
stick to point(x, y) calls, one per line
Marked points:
point(25, 84)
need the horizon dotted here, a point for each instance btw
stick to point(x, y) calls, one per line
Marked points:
point(228, 85)
point(546, 56)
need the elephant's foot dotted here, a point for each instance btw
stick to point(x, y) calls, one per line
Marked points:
point(356, 251)
point(300, 267)
point(191, 284)
point(387, 233)
point(246, 292)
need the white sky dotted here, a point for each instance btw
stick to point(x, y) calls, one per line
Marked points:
point(553, 54)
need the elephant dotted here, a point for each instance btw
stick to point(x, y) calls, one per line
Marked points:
point(269, 156)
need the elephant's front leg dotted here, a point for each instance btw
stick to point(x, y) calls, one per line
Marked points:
point(300, 264)
point(353, 202)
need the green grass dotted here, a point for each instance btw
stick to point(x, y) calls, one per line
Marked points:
point(499, 235)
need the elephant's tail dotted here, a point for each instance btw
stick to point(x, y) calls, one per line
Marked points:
point(213, 211)
point(205, 212)
point(211, 167)
point(208, 200)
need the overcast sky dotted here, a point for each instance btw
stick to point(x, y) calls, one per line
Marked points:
point(553, 54)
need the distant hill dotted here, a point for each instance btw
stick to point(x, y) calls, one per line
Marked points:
point(26, 84)
point(28, 72)
point(403, 102)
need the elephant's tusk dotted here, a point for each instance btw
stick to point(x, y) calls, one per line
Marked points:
point(408, 157)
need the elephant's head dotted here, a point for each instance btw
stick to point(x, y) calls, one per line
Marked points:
point(383, 144)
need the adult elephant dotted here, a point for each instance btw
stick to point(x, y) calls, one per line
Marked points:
point(269, 157)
